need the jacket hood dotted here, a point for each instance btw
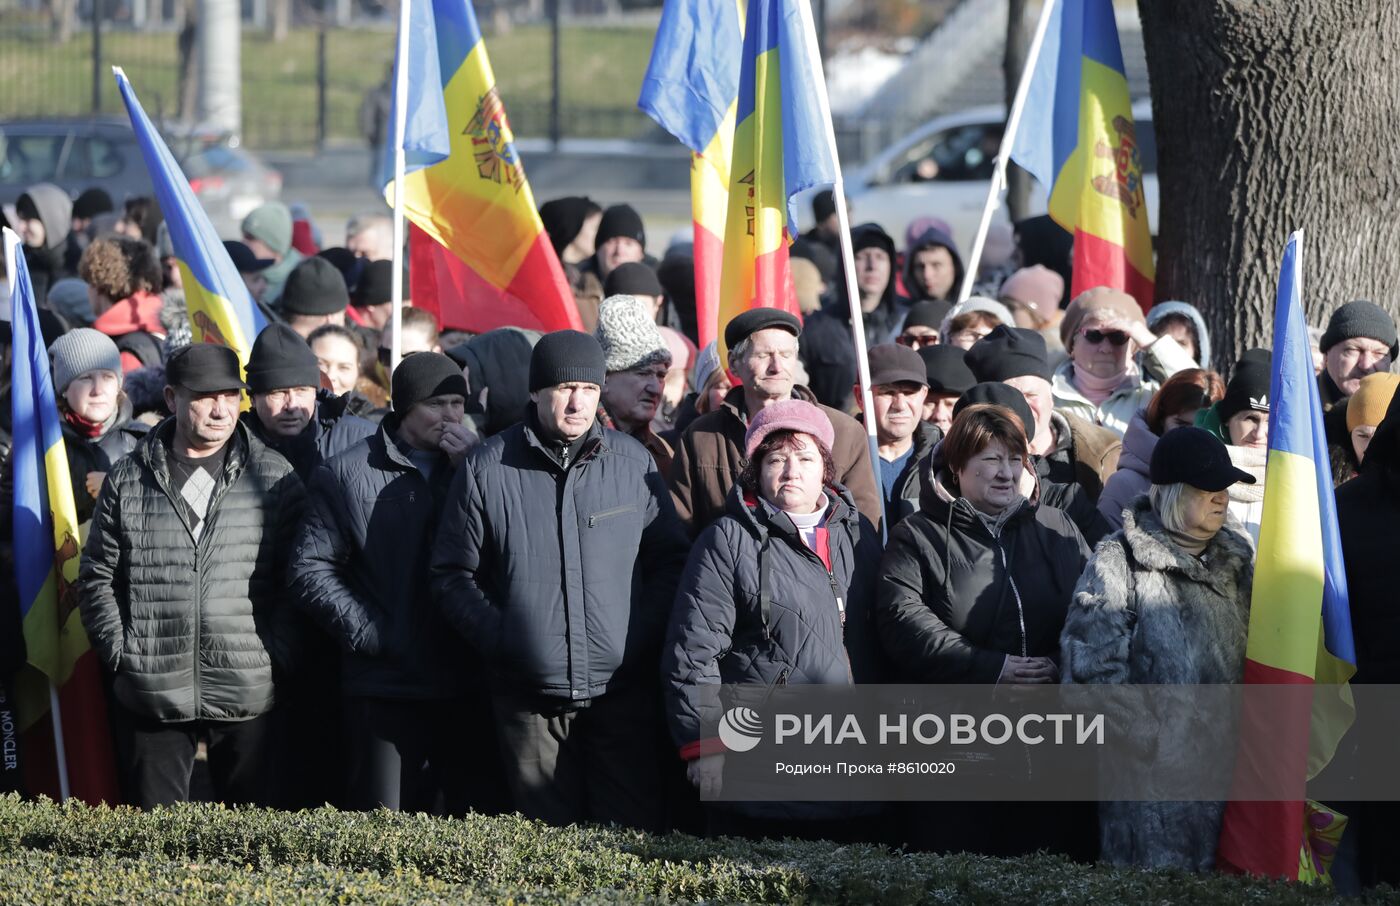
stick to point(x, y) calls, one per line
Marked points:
point(938, 501)
point(1163, 309)
point(1138, 444)
point(932, 237)
point(869, 235)
point(499, 359)
point(55, 210)
point(140, 311)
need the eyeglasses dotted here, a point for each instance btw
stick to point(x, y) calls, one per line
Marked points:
point(918, 341)
point(1116, 337)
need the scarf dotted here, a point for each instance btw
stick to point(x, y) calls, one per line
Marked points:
point(86, 427)
point(1190, 543)
point(1253, 461)
point(1097, 389)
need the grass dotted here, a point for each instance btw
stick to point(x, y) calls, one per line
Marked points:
point(602, 70)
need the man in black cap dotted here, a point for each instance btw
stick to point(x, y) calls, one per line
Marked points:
point(249, 266)
point(1068, 449)
point(635, 279)
point(417, 718)
point(899, 385)
point(556, 559)
point(290, 411)
point(374, 294)
point(828, 228)
point(948, 379)
point(307, 425)
point(621, 238)
point(315, 294)
point(183, 588)
point(1360, 339)
point(763, 354)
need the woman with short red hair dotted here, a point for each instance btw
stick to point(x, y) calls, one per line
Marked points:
point(1174, 405)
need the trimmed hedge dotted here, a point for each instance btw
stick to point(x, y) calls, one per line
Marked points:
point(204, 853)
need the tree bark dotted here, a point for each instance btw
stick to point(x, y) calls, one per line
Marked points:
point(1018, 39)
point(1272, 116)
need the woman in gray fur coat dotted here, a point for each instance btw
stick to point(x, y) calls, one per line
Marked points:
point(1165, 600)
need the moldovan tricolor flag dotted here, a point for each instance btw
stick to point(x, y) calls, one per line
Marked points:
point(781, 148)
point(465, 187)
point(1078, 139)
point(691, 90)
point(1299, 620)
point(47, 547)
point(221, 309)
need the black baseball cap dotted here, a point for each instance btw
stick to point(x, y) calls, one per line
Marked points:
point(1194, 456)
point(748, 323)
point(244, 261)
point(204, 368)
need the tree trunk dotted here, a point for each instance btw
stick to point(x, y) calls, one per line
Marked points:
point(1273, 116)
point(1018, 39)
point(281, 20)
point(64, 15)
point(187, 75)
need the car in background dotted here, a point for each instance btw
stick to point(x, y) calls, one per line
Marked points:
point(944, 169)
point(78, 154)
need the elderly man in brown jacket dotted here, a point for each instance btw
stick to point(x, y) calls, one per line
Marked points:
point(762, 347)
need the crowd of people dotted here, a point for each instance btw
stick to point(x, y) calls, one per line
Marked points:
point(509, 574)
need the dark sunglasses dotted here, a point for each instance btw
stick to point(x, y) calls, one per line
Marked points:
point(917, 341)
point(1116, 337)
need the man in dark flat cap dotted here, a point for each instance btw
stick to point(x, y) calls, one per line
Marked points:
point(183, 588)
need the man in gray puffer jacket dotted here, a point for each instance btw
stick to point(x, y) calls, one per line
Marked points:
point(557, 559)
point(183, 588)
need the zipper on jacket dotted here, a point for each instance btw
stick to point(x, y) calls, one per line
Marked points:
point(836, 591)
point(615, 511)
point(1015, 593)
point(198, 625)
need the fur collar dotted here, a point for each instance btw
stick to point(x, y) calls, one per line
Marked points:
point(1152, 548)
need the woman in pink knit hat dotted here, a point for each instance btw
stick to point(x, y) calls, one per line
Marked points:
point(778, 591)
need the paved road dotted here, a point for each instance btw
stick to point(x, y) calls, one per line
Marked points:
point(334, 185)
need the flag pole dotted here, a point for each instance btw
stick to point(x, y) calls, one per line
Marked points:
point(1008, 138)
point(838, 192)
point(60, 754)
point(400, 166)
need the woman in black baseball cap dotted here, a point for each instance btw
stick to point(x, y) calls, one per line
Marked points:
point(1165, 601)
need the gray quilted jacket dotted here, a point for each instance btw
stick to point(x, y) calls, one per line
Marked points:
point(192, 630)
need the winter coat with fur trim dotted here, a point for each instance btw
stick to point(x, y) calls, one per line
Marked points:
point(1147, 612)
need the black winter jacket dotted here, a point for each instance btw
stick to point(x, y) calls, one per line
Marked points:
point(720, 633)
point(192, 630)
point(1368, 510)
point(360, 570)
point(333, 429)
point(561, 575)
point(98, 454)
point(954, 600)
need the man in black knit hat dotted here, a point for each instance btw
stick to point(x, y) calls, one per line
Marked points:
point(416, 721)
point(556, 559)
point(314, 294)
point(621, 239)
point(290, 412)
